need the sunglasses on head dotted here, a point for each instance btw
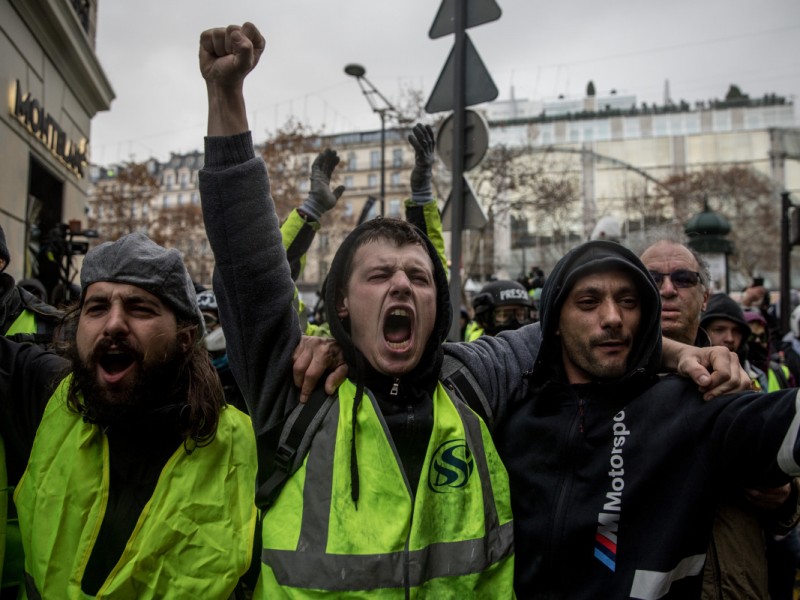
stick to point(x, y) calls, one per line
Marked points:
point(680, 278)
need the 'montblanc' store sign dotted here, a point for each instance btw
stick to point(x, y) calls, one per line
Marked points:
point(32, 115)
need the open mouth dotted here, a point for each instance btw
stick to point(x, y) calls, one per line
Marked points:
point(115, 364)
point(397, 329)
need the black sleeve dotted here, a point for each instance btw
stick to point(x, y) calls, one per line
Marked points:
point(28, 377)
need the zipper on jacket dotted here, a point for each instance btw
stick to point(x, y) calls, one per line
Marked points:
point(565, 485)
point(395, 388)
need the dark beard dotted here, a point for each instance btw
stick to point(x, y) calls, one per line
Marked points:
point(156, 385)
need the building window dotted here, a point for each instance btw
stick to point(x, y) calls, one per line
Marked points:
point(168, 181)
point(632, 127)
point(195, 198)
point(348, 182)
point(372, 181)
point(180, 199)
point(352, 164)
point(348, 209)
point(165, 201)
point(374, 159)
point(721, 120)
point(395, 180)
point(394, 207)
point(660, 125)
point(397, 158)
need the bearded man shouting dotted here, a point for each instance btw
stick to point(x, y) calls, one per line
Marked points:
point(138, 481)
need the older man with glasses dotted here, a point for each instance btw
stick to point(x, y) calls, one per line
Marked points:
point(682, 280)
point(736, 562)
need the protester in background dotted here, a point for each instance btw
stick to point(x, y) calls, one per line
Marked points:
point(501, 305)
point(24, 317)
point(773, 375)
point(681, 278)
point(682, 281)
point(757, 298)
point(790, 345)
point(138, 477)
point(214, 341)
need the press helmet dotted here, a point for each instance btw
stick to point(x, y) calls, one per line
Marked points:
point(497, 294)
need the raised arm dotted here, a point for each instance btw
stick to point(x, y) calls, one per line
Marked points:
point(252, 281)
point(421, 208)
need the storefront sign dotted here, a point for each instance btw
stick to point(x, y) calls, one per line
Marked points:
point(32, 115)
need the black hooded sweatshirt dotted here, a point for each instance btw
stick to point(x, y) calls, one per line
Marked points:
point(614, 483)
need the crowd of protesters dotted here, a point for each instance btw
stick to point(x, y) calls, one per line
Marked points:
point(609, 430)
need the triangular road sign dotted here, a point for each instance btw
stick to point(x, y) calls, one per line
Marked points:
point(474, 217)
point(478, 12)
point(478, 86)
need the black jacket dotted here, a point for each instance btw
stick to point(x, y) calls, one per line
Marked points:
point(614, 483)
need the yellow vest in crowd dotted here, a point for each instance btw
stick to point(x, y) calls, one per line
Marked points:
point(194, 538)
point(454, 539)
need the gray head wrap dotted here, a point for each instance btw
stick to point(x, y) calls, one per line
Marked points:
point(137, 260)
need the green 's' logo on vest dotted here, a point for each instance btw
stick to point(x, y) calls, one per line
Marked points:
point(451, 467)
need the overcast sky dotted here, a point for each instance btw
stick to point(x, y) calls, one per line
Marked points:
point(148, 50)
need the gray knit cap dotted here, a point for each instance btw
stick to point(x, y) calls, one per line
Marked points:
point(137, 260)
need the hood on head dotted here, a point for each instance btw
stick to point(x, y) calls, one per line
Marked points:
point(722, 306)
point(593, 257)
point(336, 283)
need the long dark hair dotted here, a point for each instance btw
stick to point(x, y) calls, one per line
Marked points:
point(196, 382)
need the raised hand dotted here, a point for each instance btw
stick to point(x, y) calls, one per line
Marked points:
point(321, 197)
point(424, 145)
point(227, 55)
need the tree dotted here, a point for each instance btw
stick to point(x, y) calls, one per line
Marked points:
point(744, 197)
point(182, 227)
point(121, 200)
point(541, 188)
point(289, 153)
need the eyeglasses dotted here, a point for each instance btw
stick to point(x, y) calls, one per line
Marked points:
point(761, 338)
point(504, 314)
point(680, 278)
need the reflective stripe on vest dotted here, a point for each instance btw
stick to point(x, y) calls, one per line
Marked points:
point(456, 534)
point(193, 538)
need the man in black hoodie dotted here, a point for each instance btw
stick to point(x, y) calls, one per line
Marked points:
point(615, 471)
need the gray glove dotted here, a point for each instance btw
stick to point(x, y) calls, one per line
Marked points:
point(421, 177)
point(320, 197)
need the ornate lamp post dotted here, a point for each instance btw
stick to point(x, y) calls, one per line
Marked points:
point(706, 232)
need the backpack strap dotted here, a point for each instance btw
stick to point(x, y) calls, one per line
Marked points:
point(294, 443)
point(457, 378)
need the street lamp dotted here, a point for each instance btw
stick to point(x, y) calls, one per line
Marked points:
point(381, 106)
